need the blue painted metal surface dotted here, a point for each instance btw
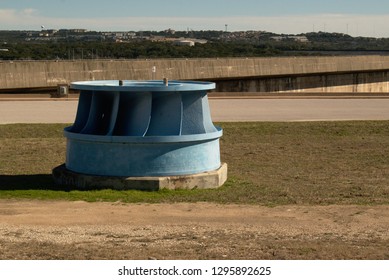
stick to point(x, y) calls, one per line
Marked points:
point(138, 129)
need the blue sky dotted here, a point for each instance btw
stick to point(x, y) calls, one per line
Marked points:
point(355, 17)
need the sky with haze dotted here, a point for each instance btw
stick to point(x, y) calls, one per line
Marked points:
point(354, 17)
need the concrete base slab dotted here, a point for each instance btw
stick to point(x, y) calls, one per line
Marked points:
point(206, 180)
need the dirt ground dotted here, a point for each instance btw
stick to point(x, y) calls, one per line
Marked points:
point(81, 230)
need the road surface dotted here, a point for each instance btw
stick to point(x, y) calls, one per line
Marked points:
point(64, 111)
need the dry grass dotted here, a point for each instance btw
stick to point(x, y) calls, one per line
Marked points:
point(269, 164)
point(314, 163)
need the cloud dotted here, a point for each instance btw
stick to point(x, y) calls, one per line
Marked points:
point(13, 19)
point(355, 25)
point(6, 15)
point(29, 12)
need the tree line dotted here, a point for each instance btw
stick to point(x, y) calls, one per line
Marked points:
point(134, 50)
point(220, 44)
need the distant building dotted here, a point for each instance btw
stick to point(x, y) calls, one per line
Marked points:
point(158, 38)
point(78, 30)
point(199, 41)
point(277, 38)
point(170, 31)
point(189, 43)
point(301, 39)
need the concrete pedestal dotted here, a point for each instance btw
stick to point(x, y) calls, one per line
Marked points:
point(205, 180)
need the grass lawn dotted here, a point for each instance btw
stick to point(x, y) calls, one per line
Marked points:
point(314, 163)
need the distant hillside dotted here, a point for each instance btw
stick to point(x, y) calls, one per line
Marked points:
point(83, 44)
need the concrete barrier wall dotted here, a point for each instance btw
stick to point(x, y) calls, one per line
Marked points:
point(373, 82)
point(29, 74)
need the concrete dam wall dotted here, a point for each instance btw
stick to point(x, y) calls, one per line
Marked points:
point(318, 74)
point(356, 82)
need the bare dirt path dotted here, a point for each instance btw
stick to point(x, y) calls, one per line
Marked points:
point(81, 230)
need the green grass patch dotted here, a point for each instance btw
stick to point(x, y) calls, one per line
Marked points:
point(315, 163)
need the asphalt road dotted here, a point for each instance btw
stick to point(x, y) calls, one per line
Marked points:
point(299, 109)
point(64, 111)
